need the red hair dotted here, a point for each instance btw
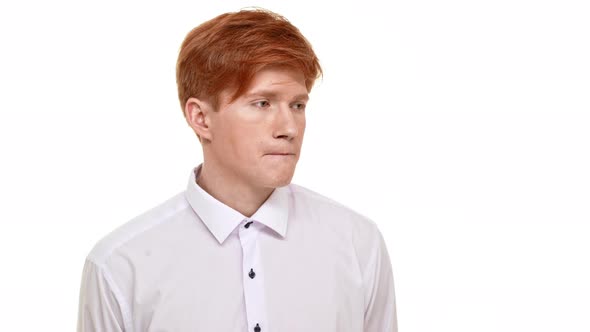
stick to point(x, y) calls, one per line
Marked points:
point(228, 50)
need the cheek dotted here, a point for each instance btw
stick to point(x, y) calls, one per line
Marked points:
point(244, 144)
point(302, 124)
point(233, 134)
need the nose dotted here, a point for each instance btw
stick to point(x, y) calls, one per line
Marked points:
point(285, 123)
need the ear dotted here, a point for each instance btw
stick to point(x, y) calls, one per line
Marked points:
point(198, 115)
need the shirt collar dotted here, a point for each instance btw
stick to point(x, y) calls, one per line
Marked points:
point(221, 219)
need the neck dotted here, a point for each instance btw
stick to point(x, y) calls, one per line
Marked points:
point(227, 188)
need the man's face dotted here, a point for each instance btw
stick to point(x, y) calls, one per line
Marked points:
point(257, 138)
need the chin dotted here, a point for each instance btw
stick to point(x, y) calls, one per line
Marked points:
point(278, 180)
point(283, 183)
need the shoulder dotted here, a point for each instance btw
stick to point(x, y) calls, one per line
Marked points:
point(134, 230)
point(331, 211)
point(350, 227)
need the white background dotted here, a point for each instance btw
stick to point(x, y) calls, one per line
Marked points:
point(461, 127)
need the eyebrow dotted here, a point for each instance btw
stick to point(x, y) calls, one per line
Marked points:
point(267, 93)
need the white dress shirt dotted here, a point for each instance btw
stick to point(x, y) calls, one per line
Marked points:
point(301, 263)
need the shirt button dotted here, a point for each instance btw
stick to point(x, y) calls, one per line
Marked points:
point(248, 224)
point(257, 328)
point(252, 274)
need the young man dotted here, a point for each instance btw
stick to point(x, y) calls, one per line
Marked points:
point(242, 249)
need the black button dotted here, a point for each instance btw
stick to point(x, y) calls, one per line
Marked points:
point(248, 224)
point(257, 328)
point(252, 274)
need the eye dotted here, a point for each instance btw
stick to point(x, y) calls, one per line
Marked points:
point(299, 106)
point(262, 103)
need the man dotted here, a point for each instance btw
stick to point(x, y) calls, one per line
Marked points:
point(242, 249)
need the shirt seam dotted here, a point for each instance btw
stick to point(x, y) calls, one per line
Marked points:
point(102, 257)
point(360, 270)
point(373, 264)
point(125, 311)
point(362, 277)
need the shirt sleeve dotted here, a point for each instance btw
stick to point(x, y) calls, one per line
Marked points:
point(380, 306)
point(98, 309)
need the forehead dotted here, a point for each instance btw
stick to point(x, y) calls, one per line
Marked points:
point(278, 78)
point(278, 75)
point(271, 82)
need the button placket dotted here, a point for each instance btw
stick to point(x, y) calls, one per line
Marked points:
point(254, 295)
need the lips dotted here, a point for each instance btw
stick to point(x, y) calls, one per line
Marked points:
point(280, 153)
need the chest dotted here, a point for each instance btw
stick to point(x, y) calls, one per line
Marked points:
point(292, 284)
